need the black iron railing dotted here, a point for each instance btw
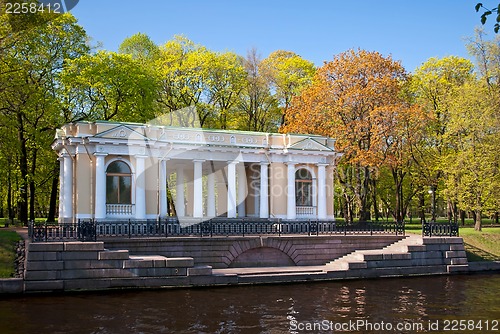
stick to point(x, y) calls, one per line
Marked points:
point(433, 229)
point(92, 230)
point(81, 231)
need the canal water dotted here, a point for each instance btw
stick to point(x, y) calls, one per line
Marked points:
point(437, 304)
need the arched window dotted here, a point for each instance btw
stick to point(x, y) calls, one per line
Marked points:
point(303, 188)
point(118, 183)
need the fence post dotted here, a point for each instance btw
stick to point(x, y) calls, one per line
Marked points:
point(129, 229)
point(166, 227)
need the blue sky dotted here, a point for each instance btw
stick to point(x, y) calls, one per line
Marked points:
point(410, 31)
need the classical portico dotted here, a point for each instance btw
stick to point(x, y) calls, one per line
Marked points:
point(115, 171)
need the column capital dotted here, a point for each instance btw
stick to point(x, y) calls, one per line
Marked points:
point(199, 160)
point(140, 156)
point(322, 164)
point(100, 154)
point(291, 163)
point(264, 163)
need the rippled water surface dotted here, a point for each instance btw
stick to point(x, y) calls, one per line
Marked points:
point(262, 309)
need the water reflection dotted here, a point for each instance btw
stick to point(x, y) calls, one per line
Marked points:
point(255, 309)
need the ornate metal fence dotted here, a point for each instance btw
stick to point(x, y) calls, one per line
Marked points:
point(433, 229)
point(81, 231)
point(91, 230)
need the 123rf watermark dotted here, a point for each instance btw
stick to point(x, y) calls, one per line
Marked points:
point(361, 325)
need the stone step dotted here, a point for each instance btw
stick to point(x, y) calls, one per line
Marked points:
point(358, 265)
point(145, 261)
point(457, 268)
point(114, 255)
point(397, 250)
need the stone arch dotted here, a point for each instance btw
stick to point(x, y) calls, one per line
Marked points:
point(261, 252)
point(262, 257)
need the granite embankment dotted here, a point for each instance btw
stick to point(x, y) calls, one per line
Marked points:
point(73, 266)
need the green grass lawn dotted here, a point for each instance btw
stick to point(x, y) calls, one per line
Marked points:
point(8, 240)
point(480, 245)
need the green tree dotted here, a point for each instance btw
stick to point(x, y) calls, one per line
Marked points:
point(472, 167)
point(433, 86)
point(287, 73)
point(226, 79)
point(487, 12)
point(29, 77)
point(487, 54)
point(108, 85)
point(260, 107)
point(141, 48)
point(183, 75)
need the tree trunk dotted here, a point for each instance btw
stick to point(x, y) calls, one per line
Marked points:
point(53, 194)
point(477, 220)
point(374, 199)
point(462, 217)
point(433, 203)
point(455, 212)
point(10, 209)
point(23, 167)
point(32, 185)
point(398, 176)
point(363, 188)
point(421, 204)
point(449, 211)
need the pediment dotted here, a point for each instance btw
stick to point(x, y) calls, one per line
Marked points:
point(309, 144)
point(122, 132)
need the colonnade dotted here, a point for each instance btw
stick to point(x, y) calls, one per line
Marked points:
point(233, 189)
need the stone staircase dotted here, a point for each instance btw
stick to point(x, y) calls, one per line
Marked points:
point(412, 255)
point(89, 266)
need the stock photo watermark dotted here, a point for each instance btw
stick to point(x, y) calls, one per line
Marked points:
point(363, 325)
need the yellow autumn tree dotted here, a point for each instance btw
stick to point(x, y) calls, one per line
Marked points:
point(357, 99)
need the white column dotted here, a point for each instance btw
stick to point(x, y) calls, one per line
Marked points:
point(242, 189)
point(331, 192)
point(180, 205)
point(140, 188)
point(264, 190)
point(163, 188)
point(68, 187)
point(321, 191)
point(211, 195)
point(231, 189)
point(61, 188)
point(290, 208)
point(198, 189)
point(100, 186)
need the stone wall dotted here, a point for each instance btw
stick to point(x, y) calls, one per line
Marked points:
point(20, 261)
point(182, 262)
point(224, 252)
point(63, 266)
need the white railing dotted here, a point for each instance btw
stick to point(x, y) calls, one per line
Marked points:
point(119, 209)
point(305, 210)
